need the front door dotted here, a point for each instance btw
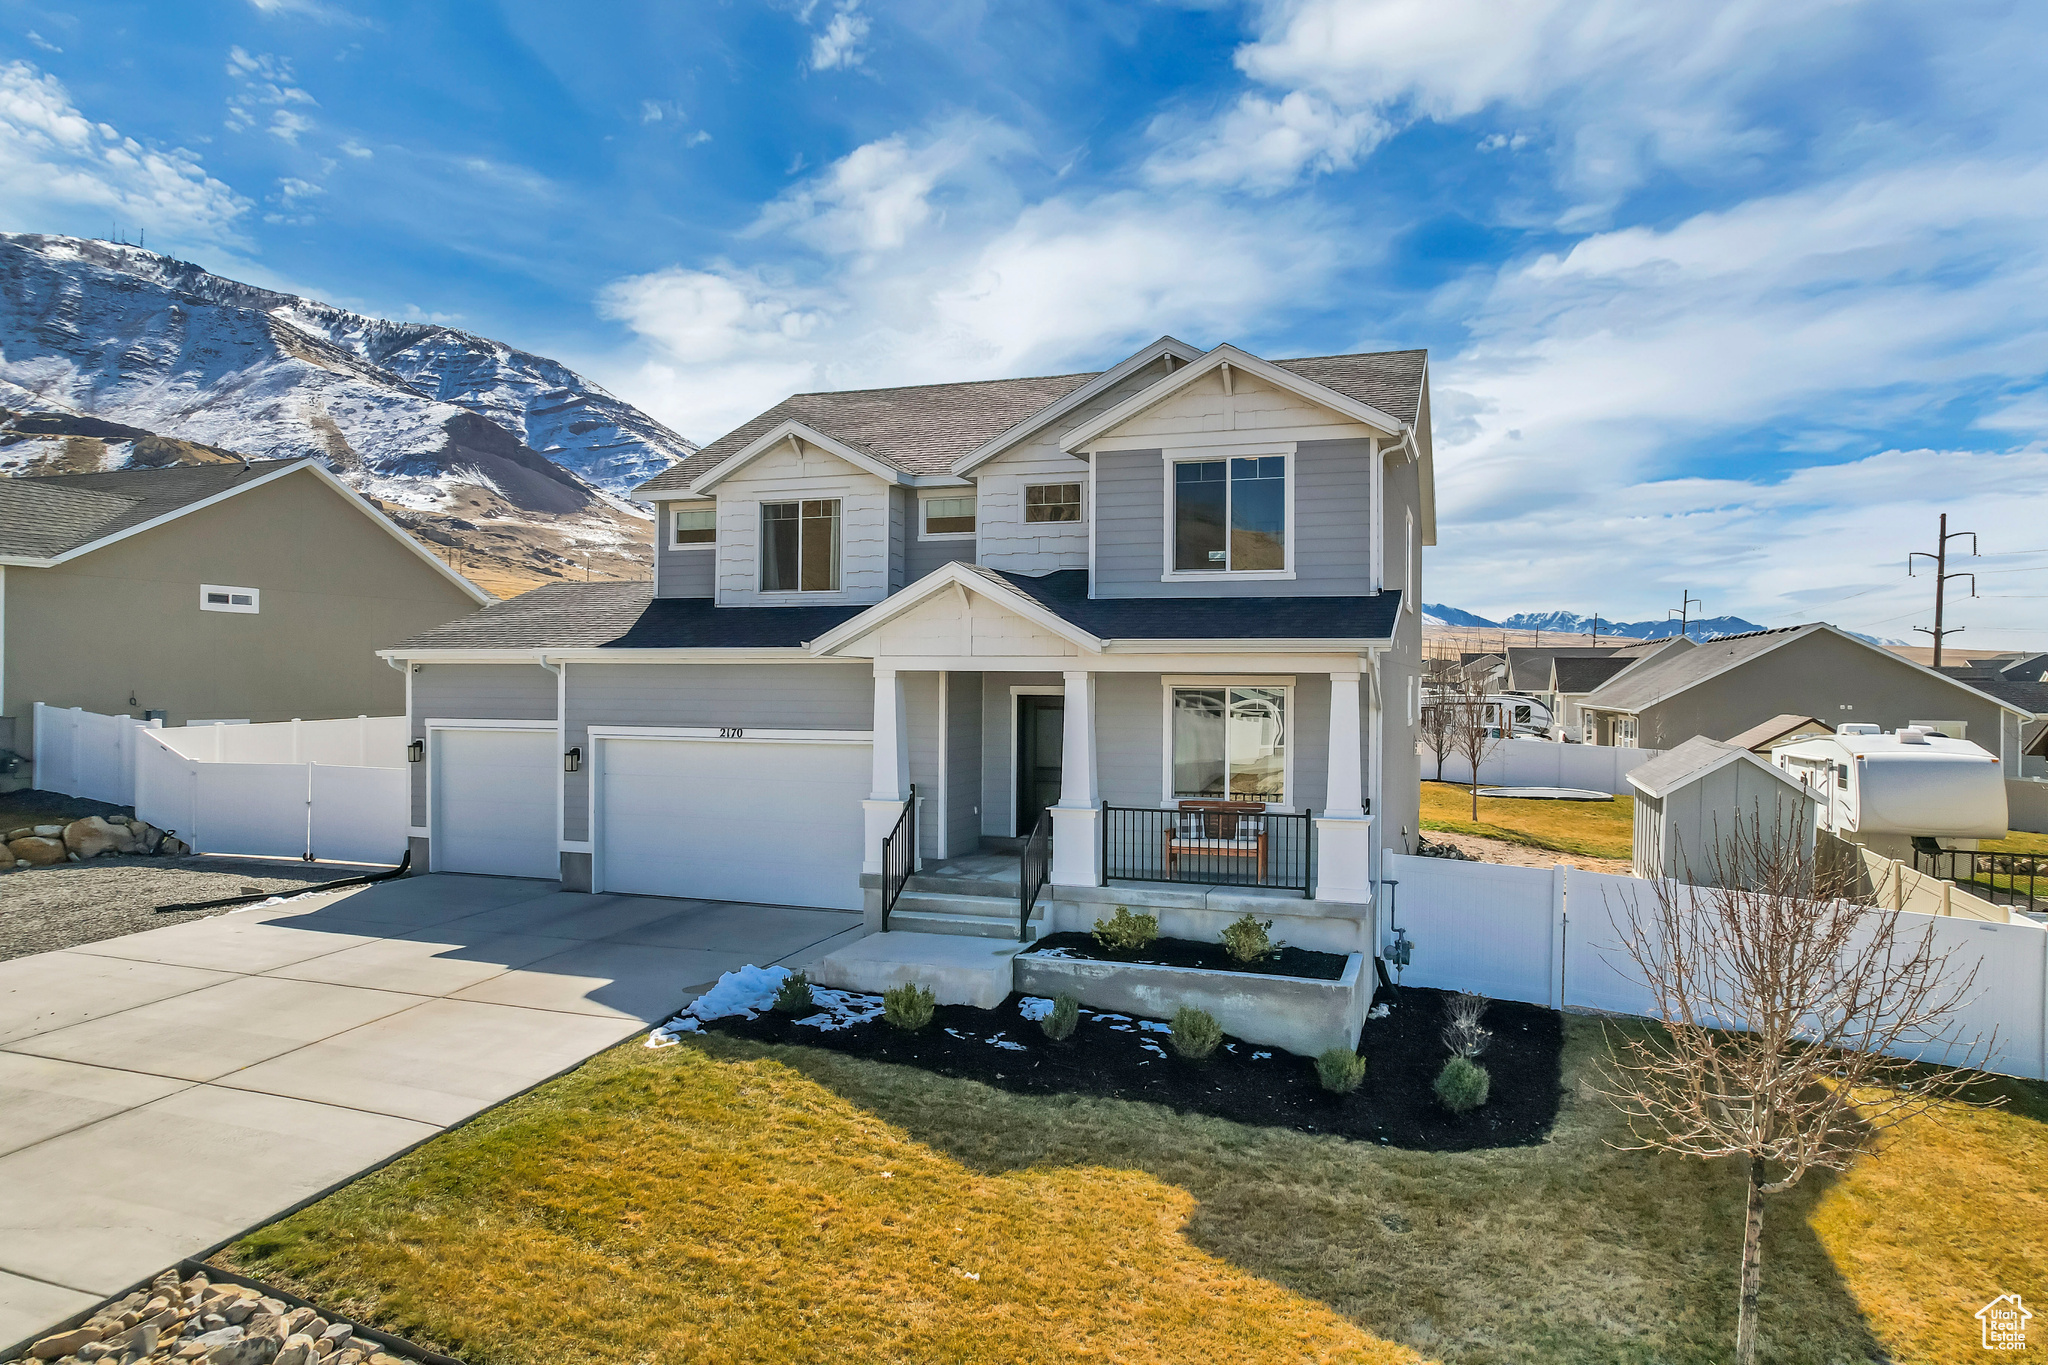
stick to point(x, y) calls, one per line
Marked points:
point(1041, 726)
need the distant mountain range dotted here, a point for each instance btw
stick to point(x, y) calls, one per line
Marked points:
point(1571, 623)
point(111, 356)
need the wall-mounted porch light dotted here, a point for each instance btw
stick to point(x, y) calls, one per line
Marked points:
point(572, 761)
point(416, 751)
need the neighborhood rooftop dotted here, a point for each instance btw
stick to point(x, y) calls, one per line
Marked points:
point(924, 428)
point(52, 514)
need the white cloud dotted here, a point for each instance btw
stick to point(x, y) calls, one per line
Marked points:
point(1264, 145)
point(928, 267)
point(292, 191)
point(38, 40)
point(839, 45)
point(61, 171)
point(357, 150)
point(1819, 318)
point(267, 82)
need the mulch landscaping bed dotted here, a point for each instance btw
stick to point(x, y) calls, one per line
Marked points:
point(1116, 1057)
point(1184, 952)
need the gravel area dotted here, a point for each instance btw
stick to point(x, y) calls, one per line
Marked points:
point(45, 908)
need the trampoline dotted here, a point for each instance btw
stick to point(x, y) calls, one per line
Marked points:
point(1545, 793)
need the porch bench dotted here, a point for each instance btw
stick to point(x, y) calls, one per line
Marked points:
point(1220, 829)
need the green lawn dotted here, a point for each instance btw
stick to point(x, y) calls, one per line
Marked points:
point(724, 1201)
point(1593, 829)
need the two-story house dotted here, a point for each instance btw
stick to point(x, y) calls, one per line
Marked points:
point(1089, 597)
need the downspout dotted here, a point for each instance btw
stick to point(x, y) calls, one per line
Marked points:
point(561, 672)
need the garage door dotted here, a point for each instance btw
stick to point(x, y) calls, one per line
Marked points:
point(494, 803)
point(767, 821)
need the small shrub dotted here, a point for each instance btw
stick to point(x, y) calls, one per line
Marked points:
point(1341, 1070)
point(793, 996)
point(1066, 1013)
point(1249, 940)
point(909, 1007)
point(1462, 1033)
point(1195, 1033)
point(1126, 932)
point(1462, 1085)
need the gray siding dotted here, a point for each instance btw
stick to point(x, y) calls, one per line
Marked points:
point(963, 762)
point(473, 692)
point(1332, 526)
point(900, 500)
point(921, 556)
point(927, 740)
point(793, 696)
point(688, 572)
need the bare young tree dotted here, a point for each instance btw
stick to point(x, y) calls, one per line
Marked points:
point(1787, 1010)
point(1435, 730)
point(1469, 727)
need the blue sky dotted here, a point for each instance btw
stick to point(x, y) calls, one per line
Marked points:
point(1733, 297)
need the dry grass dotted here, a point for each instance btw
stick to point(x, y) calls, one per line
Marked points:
point(725, 1201)
point(1594, 829)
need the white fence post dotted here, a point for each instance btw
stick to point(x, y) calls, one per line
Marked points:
point(1558, 921)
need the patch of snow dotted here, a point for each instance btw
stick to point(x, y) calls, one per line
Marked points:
point(1151, 1046)
point(746, 991)
point(1260, 1056)
point(1378, 1011)
point(1034, 1008)
point(999, 1041)
point(1055, 952)
point(841, 1009)
point(1154, 1026)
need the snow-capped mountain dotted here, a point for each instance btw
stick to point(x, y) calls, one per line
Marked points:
point(1571, 623)
point(142, 339)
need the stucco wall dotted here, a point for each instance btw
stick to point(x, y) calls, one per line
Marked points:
point(125, 621)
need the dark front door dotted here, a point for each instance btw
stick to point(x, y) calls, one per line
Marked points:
point(1041, 724)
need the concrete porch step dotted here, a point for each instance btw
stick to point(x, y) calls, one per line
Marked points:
point(958, 969)
point(975, 916)
point(961, 886)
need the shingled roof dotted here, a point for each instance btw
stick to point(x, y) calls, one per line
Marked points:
point(45, 516)
point(924, 428)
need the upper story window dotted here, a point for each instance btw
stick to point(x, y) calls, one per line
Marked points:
point(800, 546)
point(949, 516)
point(693, 526)
point(1052, 502)
point(1230, 516)
point(214, 597)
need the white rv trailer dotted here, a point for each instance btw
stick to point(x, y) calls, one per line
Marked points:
point(1882, 790)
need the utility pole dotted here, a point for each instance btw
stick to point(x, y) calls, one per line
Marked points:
point(1683, 610)
point(1941, 578)
point(1596, 630)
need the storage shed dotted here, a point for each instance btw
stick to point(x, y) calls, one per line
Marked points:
point(1693, 799)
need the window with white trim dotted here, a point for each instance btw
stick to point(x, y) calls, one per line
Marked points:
point(1052, 502)
point(692, 526)
point(949, 516)
point(800, 546)
point(1229, 743)
point(1230, 515)
point(214, 597)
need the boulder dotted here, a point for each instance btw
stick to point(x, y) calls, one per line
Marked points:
point(49, 831)
point(37, 850)
point(175, 848)
point(145, 834)
point(64, 1343)
point(92, 836)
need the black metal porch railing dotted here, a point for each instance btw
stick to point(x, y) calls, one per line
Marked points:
point(2019, 879)
point(1209, 847)
point(899, 856)
point(1032, 870)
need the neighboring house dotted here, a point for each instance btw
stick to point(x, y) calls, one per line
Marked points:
point(1758, 739)
point(208, 592)
point(1571, 679)
point(2028, 695)
point(1727, 685)
point(1194, 575)
point(1706, 811)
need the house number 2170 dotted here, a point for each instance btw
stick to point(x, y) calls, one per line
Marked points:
point(731, 732)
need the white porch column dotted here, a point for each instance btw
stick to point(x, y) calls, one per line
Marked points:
point(1077, 819)
point(891, 782)
point(1344, 830)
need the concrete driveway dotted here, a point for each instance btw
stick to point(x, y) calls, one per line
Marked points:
point(163, 1092)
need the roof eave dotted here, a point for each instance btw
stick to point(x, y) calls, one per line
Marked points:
point(1060, 407)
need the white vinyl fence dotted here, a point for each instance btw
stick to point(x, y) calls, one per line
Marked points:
point(327, 789)
point(1552, 936)
point(1545, 763)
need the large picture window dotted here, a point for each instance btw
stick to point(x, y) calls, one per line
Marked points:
point(1230, 743)
point(1230, 515)
point(800, 546)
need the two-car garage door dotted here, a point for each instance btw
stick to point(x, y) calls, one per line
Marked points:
point(766, 820)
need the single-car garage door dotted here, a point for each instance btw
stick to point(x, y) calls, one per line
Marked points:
point(494, 803)
point(770, 821)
